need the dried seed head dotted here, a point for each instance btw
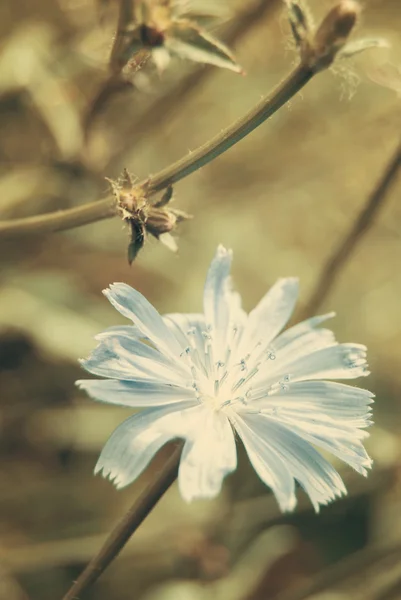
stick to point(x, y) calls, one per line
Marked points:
point(143, 217)
point(151, 37)
point(334, 31)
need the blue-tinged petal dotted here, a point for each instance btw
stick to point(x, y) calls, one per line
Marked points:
point(133, 444)
point(268, 464)
point(304, 344)
point(207, 457)
point(347, 447)
point(134, 306)
point(316, 475)
point(135, 394)
point(188, 329)
point(217, 282)
point(269, 317)
point(339, 361)
point(335, 423)
point(345, 403)
point(131, 350)
point(298, 331)
point(222, 306)
point(112, 361)
point(129, 331)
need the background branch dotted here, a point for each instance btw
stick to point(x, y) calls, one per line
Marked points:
point(361, 226)
point(127, 526)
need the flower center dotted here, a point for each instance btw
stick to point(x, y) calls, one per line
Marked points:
point(222, 377)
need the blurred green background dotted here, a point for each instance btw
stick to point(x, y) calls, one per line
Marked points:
point(283, 199)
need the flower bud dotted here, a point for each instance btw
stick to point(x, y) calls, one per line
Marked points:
point(334, 31)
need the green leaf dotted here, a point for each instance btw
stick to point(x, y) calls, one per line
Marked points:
point(186, 40)
point(137, 239)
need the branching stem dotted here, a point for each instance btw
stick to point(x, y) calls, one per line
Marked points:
point(104, 209)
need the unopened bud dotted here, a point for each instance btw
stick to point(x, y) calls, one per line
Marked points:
point(160, 221)
point(334, 31)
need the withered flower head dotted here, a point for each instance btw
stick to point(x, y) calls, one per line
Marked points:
point(146, 217)
point(163, 29)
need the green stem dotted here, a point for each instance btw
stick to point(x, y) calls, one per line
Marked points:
point(104, 209)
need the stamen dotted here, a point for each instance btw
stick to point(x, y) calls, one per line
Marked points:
point(243, 380)
point(223, 378)
point(238, 384)
point(284, 383)
point(216, 386)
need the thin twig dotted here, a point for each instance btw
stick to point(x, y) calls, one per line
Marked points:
point(103, 209)
point(361, 226)
point(127, 526)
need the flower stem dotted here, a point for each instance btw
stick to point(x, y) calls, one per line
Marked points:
point(104, 209)
point(127, 526)
point(359, 228)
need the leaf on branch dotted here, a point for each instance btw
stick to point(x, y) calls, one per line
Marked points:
point(158, 28)
point(202, 10)
point(359, 46)
point(137, 239)
point(300, 21)
point(187, 40)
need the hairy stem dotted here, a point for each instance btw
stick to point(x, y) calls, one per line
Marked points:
point(230, 136)
point(127, 526)
point(103, 209)
point(360, 227)
point(160, 111)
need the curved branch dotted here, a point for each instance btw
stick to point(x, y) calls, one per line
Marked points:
point(103, 209)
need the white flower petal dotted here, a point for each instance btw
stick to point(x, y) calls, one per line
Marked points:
point(134, 306)
point(328, 415)
point(217, 287)
point(269, 317)
point(302, 328)
point(268, 464)
point(335, 400)
point(345, 445)
point(129, 331)
point(222, 305)
point(316, 475)
point(339, 361)
point(130, 349)
point(188, 329)
point(111, 360)
point(135, 394)
point(208, 457)
point(133, 444)
point(304, 338)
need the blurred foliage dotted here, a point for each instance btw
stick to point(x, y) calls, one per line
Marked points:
point(282, 199)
